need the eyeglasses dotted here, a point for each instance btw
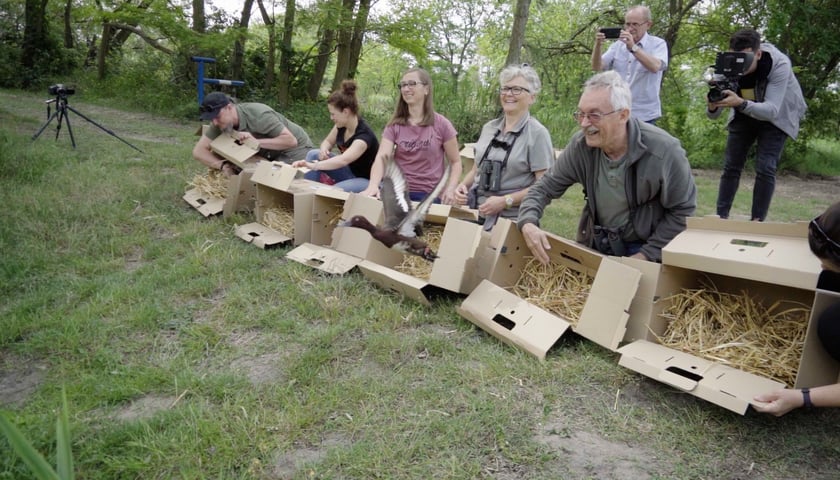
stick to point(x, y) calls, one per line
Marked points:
point(817, 231)
point(633, 24)
point(516, 91)
point(409, 84)
point(593, 117)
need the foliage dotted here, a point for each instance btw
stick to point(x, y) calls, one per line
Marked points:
point(39, 467)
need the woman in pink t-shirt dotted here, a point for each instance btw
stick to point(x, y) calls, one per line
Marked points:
point(421, 140)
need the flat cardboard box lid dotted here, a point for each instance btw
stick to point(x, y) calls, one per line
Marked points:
point(261, 236)
point(323, 258)
point(724, 386)
point(276, 175)
point(396, 281)
point(512, 320)
point(207, 206)
point(232, 149)
point(607, 308)
point(767, 252)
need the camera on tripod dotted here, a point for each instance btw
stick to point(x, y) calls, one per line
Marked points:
point(726, 72)
point(61, 90)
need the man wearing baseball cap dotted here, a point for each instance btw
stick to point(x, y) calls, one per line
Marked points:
point(279, 138)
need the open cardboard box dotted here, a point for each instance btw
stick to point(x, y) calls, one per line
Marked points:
point(349, 246)
point(511, 319)
point(772, 262)
point(240, 153)
point(277, 186)
point(240, 197)
point(455, 270)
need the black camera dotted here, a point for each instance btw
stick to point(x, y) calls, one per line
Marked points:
point(728, 69)
point(491, 176)
point(61, 90)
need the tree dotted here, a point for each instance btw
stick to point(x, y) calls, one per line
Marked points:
point(36, 41)
point(517, 32)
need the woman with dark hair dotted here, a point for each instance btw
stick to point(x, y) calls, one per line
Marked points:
point(357, 144)
point(824, 240)
point(420, 140)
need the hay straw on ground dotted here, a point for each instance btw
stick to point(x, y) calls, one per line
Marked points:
point(280, 219)
point(554, 287)
point(738, 331)
point(419, 267)
point(213, 184)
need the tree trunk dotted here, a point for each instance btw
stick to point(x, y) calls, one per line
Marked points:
point(345, 36)
point(270, 63)
point(517, 32)
point(358, 37)
point(102, 53)
point(283, 86)
point(35, 39)
point(325, 49)
point(68, 28)
point(199, 17)
point(239, 46)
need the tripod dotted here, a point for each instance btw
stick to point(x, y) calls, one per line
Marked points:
point(61, 112)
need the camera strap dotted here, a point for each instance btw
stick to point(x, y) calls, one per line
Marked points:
point(495, 143)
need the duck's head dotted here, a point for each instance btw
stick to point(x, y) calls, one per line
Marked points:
point(358, 221)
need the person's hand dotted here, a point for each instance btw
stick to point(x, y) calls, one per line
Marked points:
point(448, 197)
point(243, 136)
point(779, 402)
point(370, 192)
point(537, 242)
point(731, 99)
point(626, 38)
point(324, 154)
point(599, 37)
point(300, 163)
point(461, 192)
point(491, 206)
point(639, 255)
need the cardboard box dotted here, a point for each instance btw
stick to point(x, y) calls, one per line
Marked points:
point(455, 270)
point(495, 309)
point(240, 153)
point(278, 187)
point(240, 197)
point(772, 262)
point(349, 246)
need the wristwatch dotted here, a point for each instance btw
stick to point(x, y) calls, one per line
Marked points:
point(635, 48)
point(508, 201)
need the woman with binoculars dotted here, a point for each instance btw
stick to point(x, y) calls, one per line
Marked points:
point(511, 153)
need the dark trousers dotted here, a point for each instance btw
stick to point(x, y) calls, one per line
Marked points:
point(769, 140)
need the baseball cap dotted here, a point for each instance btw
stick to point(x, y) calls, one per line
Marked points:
point(212, 104)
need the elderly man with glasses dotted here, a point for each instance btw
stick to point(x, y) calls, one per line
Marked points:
point(636, 179)
point(639, 58)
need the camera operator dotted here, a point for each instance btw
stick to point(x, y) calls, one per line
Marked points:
point(279, 138)
point(514, 151)
point(635, 176)
point(639, 58)
point(765, 110)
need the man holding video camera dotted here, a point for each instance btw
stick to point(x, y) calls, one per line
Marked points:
point(638, 57)
point(765, 111)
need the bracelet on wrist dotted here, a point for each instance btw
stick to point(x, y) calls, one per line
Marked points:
point(806, 398)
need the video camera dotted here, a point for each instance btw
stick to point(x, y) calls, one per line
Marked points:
point(61, 90)
point(728, 69)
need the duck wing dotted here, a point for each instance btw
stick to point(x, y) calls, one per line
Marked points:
point(394, 195)
point(414, 219)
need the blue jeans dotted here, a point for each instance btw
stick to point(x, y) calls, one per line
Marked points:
point(743, 133)
point(344, 177)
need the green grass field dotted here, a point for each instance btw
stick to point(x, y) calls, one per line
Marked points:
point(187, 353)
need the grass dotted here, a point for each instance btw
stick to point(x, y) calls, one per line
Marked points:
point(187, 353)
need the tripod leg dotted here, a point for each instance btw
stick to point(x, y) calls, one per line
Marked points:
point(67, 120)
point(44, 126)
point(101, 128)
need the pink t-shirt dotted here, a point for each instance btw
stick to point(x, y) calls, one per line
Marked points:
point(420, 151)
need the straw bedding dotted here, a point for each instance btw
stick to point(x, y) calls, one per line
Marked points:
point(738, 331)
point(554, 287)
point(211, 184)
point(419, 267)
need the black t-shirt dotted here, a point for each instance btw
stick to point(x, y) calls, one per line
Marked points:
point(360, 167)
